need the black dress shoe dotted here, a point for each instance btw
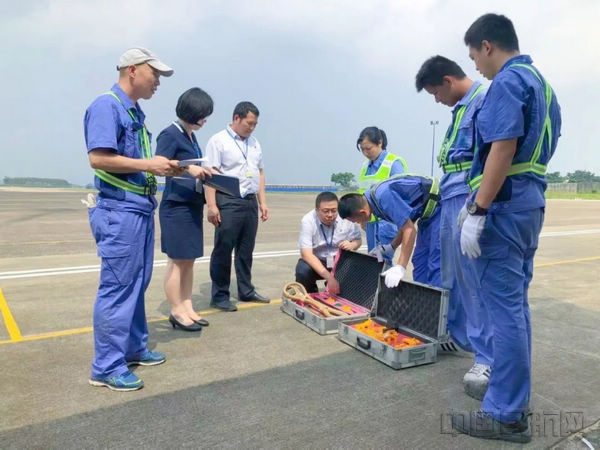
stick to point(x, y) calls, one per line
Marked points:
point(177, 324)
point(202, 322)
point(482, 425)
point(224, 306)
point(255, 297)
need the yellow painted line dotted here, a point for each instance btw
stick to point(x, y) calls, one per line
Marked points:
point(567, 261)
point(54, 334)
point(9, 320)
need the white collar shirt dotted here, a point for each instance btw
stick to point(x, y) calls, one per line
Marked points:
point(313, 234)
point(236, 157)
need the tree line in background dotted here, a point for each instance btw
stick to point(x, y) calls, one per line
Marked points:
point(579, 176)
point(346, 179)
point(36, 182)
point(343, 179)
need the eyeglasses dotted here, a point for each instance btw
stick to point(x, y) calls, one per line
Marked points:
point(201, 122)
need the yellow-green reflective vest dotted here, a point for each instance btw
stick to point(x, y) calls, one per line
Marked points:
point(144, 141)
point(383, 173)
point(533, 165)
point(442, 157)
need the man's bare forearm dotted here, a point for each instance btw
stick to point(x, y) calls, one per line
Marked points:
point(111, 162)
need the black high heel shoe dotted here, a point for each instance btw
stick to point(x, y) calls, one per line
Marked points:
point(202, 322)
point(176, 324)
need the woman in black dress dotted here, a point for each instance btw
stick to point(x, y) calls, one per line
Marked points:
point(181, 207)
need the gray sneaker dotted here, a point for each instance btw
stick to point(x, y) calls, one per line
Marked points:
point(476, 380)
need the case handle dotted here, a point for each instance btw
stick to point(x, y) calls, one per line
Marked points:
point(417, 354)
point(366, 345)
point(299, 314)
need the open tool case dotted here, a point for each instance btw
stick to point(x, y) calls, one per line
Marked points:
point(413, 309)
point(357, 275)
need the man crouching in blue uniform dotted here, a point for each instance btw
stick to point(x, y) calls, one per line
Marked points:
point(403, 200)
point(517, 129)
point(122, 221)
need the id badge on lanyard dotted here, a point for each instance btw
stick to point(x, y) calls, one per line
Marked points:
point(330, 258)
point(247, 172)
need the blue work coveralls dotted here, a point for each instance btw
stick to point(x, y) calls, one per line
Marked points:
point(122, 224)
point(381, 232)
point(467, 318)
point(515, 106)
point(404, 197)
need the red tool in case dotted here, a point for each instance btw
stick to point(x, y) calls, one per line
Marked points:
point(358, 276)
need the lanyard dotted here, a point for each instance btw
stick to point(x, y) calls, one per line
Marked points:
point(330, 243)
point(194, 142)
point(245, 155)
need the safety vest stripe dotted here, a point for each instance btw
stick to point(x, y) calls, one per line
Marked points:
point(448, 142)
point(533, 165)
point(144, 141)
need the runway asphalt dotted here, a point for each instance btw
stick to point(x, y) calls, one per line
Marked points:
point(256, 378)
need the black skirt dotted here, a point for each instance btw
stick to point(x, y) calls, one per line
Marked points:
point(181, 229)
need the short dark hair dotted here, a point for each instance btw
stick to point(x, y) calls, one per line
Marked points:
point(374, 134)
point(433, 71)
point(493, 28)
point(325, 197)
point(194, 105)
point(243, 108)
point(350, 205)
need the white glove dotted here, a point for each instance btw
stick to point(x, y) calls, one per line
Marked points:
point(393, 275)
point(462, 215)
point(469, 235)
point(383, 251)
point(90, 202)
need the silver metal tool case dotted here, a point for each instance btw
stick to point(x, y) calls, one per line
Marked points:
point(411, 308)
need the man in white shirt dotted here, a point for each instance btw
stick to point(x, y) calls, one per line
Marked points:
point(236, 153)
point(322, 232)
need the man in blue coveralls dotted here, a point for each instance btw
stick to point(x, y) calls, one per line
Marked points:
point(122, 221)
point(403, 200)
point(517, 129)
point(449, 85)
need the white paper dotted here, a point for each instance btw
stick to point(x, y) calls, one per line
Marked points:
point(190, 162)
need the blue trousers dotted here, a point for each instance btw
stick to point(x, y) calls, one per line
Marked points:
point(426, 256)
point(126, 245)
point(505, 269)
point(380, 232)
point(467, 318)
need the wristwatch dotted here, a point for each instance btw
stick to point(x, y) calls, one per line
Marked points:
point(475, 210)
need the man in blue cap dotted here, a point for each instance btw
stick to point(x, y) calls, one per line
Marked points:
point(122, 219)
point(517, 130)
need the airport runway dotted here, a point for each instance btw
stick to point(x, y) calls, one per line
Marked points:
point(256, 378)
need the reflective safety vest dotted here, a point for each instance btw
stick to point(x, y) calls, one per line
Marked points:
point(442, 157)
point(144, 141)
point(431, 185)
point(533, 165)
point(383, 173)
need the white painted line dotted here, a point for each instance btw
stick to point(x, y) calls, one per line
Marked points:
point(569, 233)
point(96, 268)
point(55, 271)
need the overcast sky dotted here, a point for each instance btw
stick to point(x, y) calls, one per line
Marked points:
point(318, 70)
